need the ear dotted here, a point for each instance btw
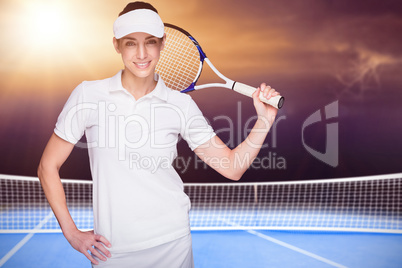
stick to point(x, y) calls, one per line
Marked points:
point(116, 45)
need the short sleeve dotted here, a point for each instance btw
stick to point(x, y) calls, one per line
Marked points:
point(71, 122)
point(197, 130)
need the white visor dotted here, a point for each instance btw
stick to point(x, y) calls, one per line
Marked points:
point(139, 20)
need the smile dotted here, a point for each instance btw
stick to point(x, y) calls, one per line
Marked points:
point(142, 65)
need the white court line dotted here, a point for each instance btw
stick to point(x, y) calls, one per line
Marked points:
point(289, 246)
point(302, 251)
point(24, 240)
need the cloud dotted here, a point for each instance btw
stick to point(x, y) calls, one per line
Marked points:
point(362, 73)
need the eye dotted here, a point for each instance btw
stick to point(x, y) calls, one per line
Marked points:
point(151, 42)
point(130, 43)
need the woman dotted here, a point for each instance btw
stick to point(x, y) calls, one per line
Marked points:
point(132, 122)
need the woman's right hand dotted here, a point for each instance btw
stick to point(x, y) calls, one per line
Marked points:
point(56, 152)
point(89, 242)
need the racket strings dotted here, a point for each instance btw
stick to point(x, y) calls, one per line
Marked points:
point(173, 62)
point(183, 60)
point(176, 72)
point(179, 62)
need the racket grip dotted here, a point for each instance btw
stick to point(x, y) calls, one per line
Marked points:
point(244, 89)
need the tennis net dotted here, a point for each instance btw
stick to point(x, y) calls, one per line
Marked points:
point(362, 204)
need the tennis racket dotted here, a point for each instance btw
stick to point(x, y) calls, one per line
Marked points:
point(181, 63)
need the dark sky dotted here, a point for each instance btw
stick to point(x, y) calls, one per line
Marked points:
point(316, 53)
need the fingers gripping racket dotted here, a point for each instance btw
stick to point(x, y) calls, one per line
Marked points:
point(181, 63)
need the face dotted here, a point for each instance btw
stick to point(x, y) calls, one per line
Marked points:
point(140, 53)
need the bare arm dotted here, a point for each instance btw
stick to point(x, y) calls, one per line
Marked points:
point(233, 163)
point(55, 154)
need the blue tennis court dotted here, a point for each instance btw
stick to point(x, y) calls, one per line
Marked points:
point(233, 249)
point(330, 223)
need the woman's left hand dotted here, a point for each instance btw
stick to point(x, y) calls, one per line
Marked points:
point(265, 110)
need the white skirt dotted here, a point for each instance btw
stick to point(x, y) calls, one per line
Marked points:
point(175, 254)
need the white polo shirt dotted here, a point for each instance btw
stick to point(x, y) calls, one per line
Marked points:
point(138, 197)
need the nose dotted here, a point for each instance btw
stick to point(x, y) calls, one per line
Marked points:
point(142, 52)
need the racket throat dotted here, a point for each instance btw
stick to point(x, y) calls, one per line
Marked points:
point(228, 83)
point(190, 88)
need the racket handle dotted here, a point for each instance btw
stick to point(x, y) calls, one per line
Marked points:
point(244, 89)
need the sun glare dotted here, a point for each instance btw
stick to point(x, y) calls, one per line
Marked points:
point(46, 23)
point(39, 38)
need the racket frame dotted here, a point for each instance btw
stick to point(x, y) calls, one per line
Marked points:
point(230, 84)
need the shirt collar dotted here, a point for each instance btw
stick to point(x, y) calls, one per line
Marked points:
point(160, 91)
